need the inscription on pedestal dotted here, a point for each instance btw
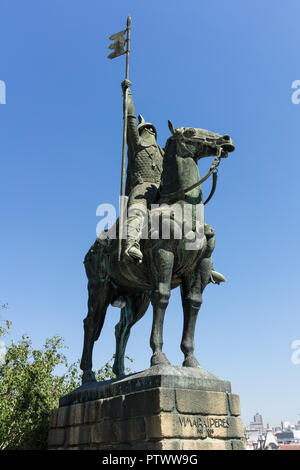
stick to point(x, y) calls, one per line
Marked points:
point(204, 425)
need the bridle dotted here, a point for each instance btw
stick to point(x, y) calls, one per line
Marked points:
point(212, 171)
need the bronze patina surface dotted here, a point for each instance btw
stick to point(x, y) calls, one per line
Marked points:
point(150, 268)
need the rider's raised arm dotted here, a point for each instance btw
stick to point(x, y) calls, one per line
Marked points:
point(132, 131)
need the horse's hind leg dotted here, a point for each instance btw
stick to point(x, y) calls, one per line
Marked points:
point(134, 310)
point(191, 294)
point(99, 299)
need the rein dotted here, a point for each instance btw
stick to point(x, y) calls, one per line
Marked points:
point(212, 171)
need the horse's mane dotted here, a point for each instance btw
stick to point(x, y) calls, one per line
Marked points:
point(168, 145)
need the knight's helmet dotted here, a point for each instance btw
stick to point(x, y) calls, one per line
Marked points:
point(142, 124)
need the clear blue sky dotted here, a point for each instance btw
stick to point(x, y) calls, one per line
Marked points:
point(224, 66)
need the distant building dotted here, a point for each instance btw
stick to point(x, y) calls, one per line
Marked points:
point(267, 441)
point(257, 424)
point(252, 439)
point(297, 435)
point(285, 437)
point(285, 425)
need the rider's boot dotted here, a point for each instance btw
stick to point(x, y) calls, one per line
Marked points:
point(132, 250)
point(135, 223)
point(217, 278)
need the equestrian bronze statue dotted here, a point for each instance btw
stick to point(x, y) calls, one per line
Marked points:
point(162, 187)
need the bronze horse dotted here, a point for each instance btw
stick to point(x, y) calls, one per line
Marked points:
point(166, 262)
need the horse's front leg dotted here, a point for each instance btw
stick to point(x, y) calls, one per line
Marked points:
point(161, 269)
point(192, 287)
point(191, 294)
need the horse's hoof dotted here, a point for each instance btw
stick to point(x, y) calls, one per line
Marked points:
point(191, 362)
point(159, 358)
point(88, 376)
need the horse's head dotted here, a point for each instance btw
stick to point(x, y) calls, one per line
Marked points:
point(200, 142)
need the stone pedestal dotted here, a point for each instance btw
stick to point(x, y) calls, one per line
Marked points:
point(162, 408)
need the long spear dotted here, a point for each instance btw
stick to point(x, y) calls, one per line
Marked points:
point(118, 47)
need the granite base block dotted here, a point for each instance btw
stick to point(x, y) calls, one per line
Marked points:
point(163, 408)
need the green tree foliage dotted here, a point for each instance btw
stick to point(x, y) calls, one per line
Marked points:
point(30, 389)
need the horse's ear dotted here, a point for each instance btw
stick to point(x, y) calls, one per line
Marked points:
point(141, 119)
point(171, 127)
